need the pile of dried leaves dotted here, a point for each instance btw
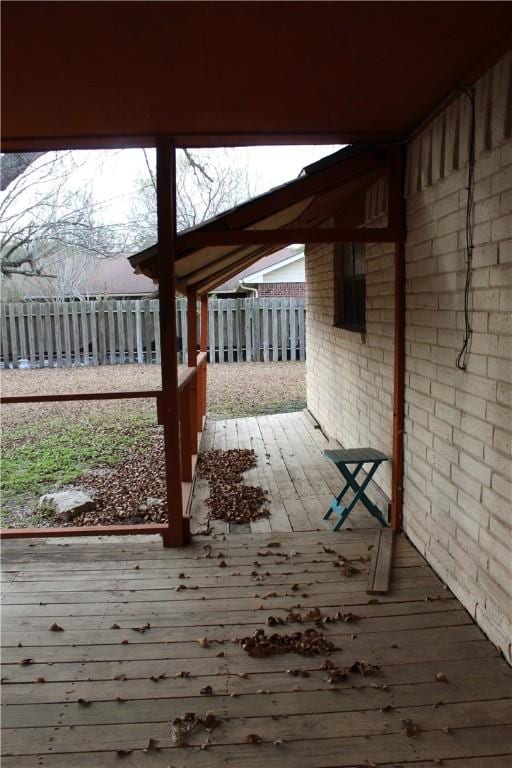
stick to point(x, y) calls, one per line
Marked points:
point(182, 727)
point(132, 492)
point(230, 500)
point(308, 643)
point(315, 616)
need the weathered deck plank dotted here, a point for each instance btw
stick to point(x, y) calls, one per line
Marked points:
point(413, 632)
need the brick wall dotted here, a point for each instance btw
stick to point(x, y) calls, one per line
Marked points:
point(294, 290)
point(349, 376)
point(458, 443)
point(458, 425)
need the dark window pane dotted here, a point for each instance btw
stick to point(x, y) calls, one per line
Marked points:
point(359, 259)
point(348, 261)
point(348, 303)
point(360, 313)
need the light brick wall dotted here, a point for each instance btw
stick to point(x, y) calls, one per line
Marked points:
point(458, 459)
point(458, 424)
point(349, 377)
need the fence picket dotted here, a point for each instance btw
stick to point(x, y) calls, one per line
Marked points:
point(48, 333)
point(109, 332)
point(211, 329)
point(76, 332)
point(138, 332)
point(102, 335)
point(14, 335)
point(275, 332)
point(248, 330)
point(284, 329)
point(121, 311)
point(5, 340)
point(31, 335)
point(293, 331)
point(230, 307)
point(93, 321)
point(85, 331)
point(220, 326)
point(147, 331)
point(22, 331)
point(39, 326)
point(156, 323)
point(130, 343)
point(302, 336)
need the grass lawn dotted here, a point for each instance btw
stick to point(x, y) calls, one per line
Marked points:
point(48, 446)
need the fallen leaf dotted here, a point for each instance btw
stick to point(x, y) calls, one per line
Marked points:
point(206, 691)
point(253, 738)
point(84, 702)
point(203, 642)
point(143, 628)
point(410, 728)
point(115, 626)
point(121, 676)
point(25, 662)
point(123, 752)
point(152, 745)
point(40, 680)
point(441, 677)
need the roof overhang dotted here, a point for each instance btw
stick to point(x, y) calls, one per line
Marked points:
point(86, 74)
point(294, 212)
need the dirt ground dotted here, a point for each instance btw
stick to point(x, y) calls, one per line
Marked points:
point(234, 389)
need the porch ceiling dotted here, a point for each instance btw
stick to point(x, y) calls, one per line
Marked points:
point(235, 73)
point(322, 190)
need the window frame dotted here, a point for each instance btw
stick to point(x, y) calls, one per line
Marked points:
point(341, 279)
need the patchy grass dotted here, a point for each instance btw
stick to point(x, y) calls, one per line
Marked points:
point(51, 445)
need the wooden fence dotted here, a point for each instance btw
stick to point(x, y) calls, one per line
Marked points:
point(63, 334)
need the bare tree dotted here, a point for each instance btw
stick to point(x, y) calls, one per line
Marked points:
point(14, 164)
point(46, 218)
point(207, 183)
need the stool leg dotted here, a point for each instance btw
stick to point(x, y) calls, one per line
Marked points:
point(335, 502)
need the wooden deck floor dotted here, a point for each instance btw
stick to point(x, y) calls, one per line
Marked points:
point(128, 660)
point(299, 480)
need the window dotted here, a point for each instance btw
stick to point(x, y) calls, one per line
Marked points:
point(350, 287)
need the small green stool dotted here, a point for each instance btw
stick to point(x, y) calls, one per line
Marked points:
point(344, 460)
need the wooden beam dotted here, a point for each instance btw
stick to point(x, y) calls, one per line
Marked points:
point(396, 208)
point(176, 534)
point(382, 557)
point(80, 396)
point(83, 530)
point(209, 237)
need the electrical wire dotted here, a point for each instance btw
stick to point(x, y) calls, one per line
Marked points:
point(468, 308)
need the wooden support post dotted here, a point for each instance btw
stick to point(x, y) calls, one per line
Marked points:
point(176, 534)
point(186, 437)
point(204, 348)
point(396, 214)
point(194, 422)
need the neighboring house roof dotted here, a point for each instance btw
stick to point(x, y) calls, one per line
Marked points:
point(108, 276)
point(115, 276)
point(265, 265)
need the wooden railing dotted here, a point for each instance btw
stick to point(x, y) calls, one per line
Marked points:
point(192, 414)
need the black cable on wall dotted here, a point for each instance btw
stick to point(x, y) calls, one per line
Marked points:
point(468, 308)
